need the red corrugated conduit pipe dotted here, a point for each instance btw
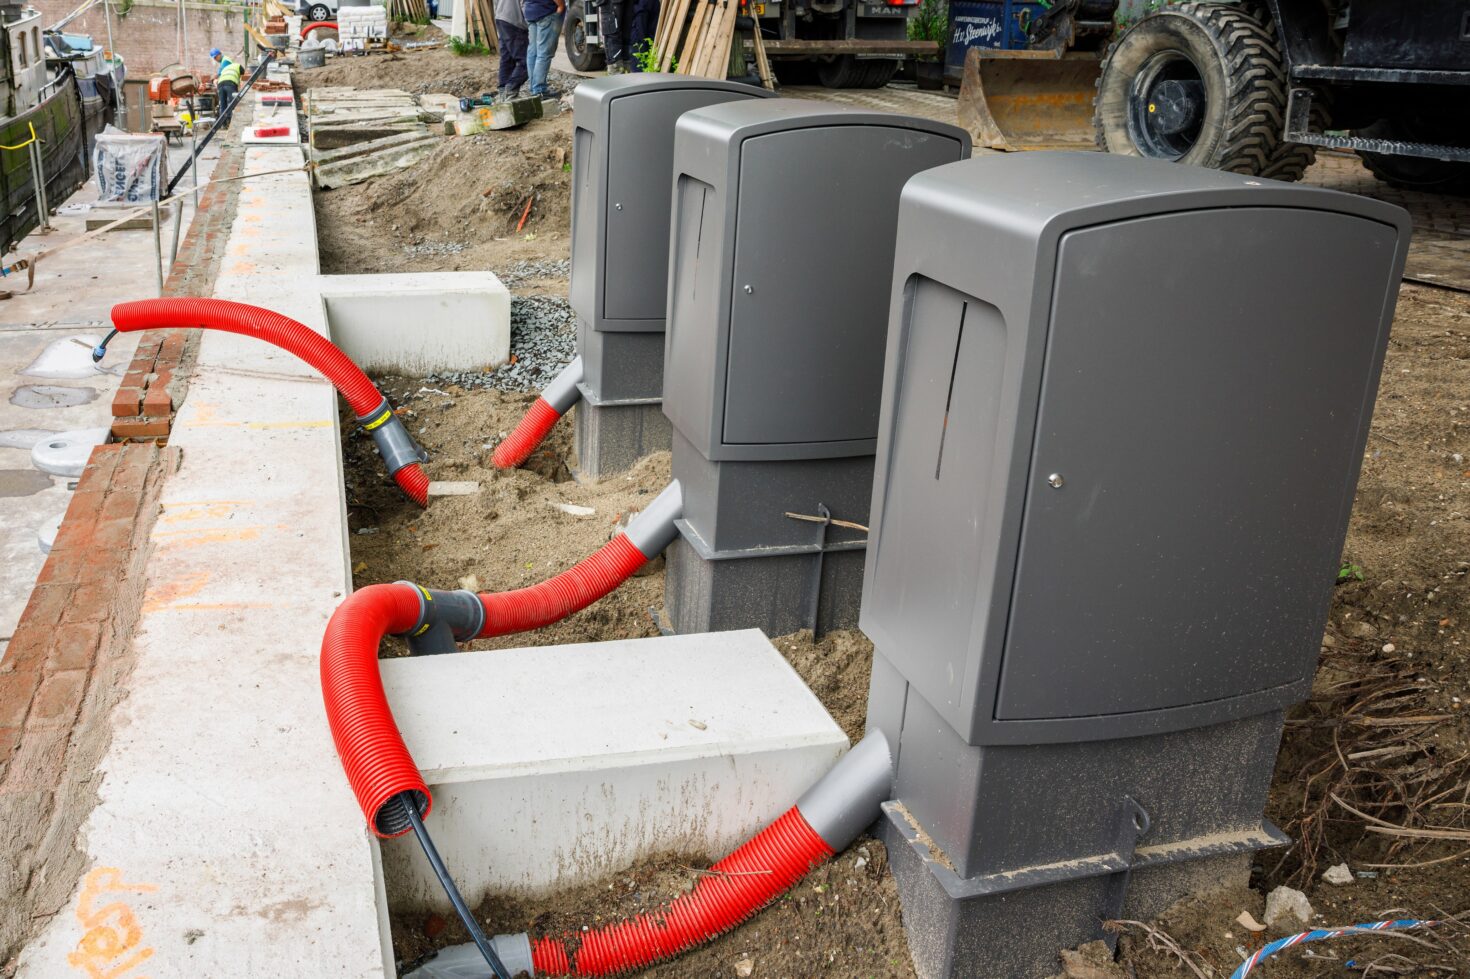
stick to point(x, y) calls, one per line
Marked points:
point(824, 821)
point(372, 753)
point(541, 417)
point(400, 452)
point(392, 794)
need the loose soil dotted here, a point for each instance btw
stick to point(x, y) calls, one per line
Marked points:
point(459, 207)
point(1394, 649)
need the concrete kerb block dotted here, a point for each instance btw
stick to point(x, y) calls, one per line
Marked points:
point(502, 115)
point(419, 322)
point(687, 744)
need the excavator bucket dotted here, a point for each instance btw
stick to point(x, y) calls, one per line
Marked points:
point(1028, 100)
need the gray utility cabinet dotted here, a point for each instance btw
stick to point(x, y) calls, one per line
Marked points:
point(622, 170)
point(780, 263)
point(1123, 415)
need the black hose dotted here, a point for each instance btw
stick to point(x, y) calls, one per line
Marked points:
point(100, 351)
point(220, 116)
point(410, 806)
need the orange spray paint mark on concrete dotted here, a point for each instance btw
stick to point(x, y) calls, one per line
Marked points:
point(171, 592)
point(111, 945)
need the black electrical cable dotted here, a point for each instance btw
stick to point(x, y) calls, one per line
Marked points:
point(100, 351)
point(410, 806)
point(269, 56)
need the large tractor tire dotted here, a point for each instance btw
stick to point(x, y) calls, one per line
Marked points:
point(583, 56)
point(1196, 83)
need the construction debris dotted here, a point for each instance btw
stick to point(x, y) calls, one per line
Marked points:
point(357, 134)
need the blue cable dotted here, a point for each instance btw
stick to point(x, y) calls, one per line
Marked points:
point(1317, 935)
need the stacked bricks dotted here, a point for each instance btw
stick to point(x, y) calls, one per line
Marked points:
point(143, 406)
point(153, 386)
point(62, 674)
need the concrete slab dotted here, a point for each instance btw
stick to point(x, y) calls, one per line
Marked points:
point(221, 802)
point(460, 320)
point(684, 744)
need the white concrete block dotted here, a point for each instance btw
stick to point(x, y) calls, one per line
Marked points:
point(558, 764)
point(419, 321)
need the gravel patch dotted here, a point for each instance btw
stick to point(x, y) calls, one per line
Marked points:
point(527, 271)
point(543, 339)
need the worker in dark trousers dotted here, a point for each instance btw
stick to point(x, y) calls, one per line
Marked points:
point(615, 18)
point(645, 25)
point(510, 26)
point(226, 85)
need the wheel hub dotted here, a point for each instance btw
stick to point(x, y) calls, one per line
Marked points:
point(1175, 106)
point(1166, 106)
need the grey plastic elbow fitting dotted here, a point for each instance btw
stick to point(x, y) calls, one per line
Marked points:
point(654, 528)
point(563, 392)
point(445, 618)
point(846, 800)
point(395, 445)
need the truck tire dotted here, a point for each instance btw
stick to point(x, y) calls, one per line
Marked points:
point(1195, 83)
point(878, 72)
point(1415, 172)
point(583, 56)
point(843, 71)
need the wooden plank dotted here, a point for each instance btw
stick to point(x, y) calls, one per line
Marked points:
point(702, 12)
point(671, 33)
point(717, 65)
point(708, 38)
point(762, 63)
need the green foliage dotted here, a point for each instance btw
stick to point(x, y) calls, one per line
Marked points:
point(930, 23)
point(467, 49)
point(1349, 572)
point(648, 56)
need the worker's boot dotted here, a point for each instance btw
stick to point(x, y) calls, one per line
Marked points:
point(617, 68)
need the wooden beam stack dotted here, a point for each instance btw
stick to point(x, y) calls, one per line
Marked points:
point(479, 23)
point(694, 37)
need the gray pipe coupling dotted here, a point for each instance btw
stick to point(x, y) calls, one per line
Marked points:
point(562, 392)
point(445, 618)
point(466, 962)
point(654, 529)
point(395, 445)
point(846, 800)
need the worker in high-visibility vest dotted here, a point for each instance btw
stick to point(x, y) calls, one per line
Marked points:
point(226, 85)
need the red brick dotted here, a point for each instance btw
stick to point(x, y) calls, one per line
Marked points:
point(86, 501)
point(113, 537)
point(9, 741)
point(120, 505)
point(58, 700)
point(46, 606)
point(173, 347)
point(16, 691)
point(91, 602)
point(39, 758)
point(157, 402)
point(137, 428)
point(73, 647)
point(27, 651)
point(77, 531)
point(99, 466)
point(125, 402)
point(135, 378)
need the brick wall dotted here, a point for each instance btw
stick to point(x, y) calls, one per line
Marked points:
point(67, 661)
point(147, 36)
point(61, 676)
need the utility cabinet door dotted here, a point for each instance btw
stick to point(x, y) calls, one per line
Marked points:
point(1205, 380)
point(640, 154)
point(813, 264)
